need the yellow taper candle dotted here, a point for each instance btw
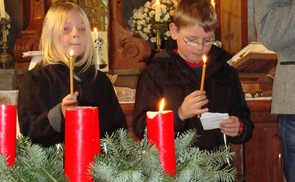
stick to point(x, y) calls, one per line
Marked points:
point(71, 72)
point(203, 72)
point(203, 75)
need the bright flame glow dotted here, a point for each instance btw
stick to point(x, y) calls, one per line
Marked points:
point(71, 53)
point(204, 59)
point(162, 104)
point(212, 3)
point(95, 29)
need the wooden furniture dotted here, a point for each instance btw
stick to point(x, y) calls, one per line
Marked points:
point(263, 154)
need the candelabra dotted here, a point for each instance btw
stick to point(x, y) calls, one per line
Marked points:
point(158, 27)
point(5, 57)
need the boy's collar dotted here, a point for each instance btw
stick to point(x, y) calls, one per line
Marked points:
point(191, 64)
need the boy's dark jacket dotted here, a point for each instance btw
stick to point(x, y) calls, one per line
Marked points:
point(168, 76)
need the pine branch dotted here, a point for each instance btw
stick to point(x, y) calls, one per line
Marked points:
point(123, 159)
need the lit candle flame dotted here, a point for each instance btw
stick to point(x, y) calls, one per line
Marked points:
point(95, 29)
point(213, 3)
point(162, 105)
point(71, 53)
point(204, 59)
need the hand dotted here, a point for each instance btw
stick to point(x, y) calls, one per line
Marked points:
point(192, 105)
point(69, 101)
point(230, 126)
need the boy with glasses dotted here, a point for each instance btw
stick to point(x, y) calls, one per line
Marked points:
point(175, 74)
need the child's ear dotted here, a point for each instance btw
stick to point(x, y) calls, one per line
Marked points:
point(173, 31)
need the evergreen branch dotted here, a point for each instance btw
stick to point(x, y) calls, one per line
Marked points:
point(124, 159)
point(185, 140)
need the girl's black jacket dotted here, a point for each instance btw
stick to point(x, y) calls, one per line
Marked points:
point(42, 90)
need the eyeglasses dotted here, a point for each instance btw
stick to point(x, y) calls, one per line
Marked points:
point(195, 44)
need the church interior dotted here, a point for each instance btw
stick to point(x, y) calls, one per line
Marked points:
point(126, 53)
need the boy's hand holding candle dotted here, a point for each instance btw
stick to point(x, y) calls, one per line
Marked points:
point(192, 105)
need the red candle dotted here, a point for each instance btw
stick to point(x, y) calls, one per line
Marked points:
point(160, 131)
point(82, 142)
point(8, 132)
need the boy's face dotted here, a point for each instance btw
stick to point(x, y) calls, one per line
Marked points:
point(192, 41)
point(74, 36)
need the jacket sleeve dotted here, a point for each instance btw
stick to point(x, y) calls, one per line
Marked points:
point(33, 107)
point(275, 23)
point(146, 99)
point(240, 109)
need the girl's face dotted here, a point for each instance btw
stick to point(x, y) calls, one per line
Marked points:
point(192, 41)
point(74, 36)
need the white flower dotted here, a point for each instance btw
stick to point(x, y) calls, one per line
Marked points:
point(144, 17)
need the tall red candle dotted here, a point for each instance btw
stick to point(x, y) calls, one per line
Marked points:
point(8, 132)
point(82, 142)
point(160, 131)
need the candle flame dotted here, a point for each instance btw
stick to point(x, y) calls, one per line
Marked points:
point(95, 29)
point(71, 53)
point(204, 59)
point(213, 3)
point(162, 105)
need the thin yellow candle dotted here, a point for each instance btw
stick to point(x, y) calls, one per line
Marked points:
point(157, 10)
point(71, 72)
point(203, 72)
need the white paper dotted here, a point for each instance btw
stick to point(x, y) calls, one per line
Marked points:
point(211, 120)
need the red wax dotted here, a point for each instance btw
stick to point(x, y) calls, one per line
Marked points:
point(8, 132)
point(160, 130)
point(82, 142)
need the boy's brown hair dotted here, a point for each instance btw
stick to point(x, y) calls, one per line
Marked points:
point(190, 12)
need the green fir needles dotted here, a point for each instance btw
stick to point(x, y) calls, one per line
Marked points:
point(123, 159)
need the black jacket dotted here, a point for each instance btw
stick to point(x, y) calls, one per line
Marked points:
point(167, 75)
point(42, 89)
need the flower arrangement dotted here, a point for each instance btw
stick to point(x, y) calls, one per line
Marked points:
point(144, 18)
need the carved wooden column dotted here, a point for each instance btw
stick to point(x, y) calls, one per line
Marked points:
point(127, 49)
point(30, 37)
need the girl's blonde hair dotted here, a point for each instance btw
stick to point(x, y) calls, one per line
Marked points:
point(51, 37)
point(192, 12)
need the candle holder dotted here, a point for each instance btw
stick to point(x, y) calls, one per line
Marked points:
point(158, 27)
point(5, 57)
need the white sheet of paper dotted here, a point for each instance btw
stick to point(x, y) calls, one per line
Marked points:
point(211, 120)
